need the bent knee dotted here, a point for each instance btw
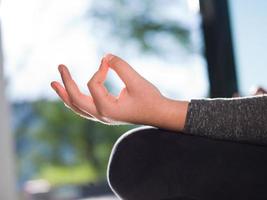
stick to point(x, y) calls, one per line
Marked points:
point(144, 163)
point(129, 161)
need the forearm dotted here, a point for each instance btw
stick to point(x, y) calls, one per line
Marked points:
point(237, 119)
point(140, 102)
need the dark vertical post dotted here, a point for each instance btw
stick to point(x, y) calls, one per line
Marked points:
point(218, 47)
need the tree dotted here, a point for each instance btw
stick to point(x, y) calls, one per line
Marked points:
point(142, 22)
point(61, 139)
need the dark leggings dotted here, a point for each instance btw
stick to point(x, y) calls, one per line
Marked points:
point(151, 164)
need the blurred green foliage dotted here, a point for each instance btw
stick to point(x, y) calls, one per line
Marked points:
point(73, 174)
point(69, 149)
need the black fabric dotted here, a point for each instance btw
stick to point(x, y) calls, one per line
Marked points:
point(151, 164)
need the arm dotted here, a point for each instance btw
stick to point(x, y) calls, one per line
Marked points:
point(139, 102)
point(238, 119)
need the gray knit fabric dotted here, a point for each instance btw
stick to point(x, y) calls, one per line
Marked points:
point(236, 119)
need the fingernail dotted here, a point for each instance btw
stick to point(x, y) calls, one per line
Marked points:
point(108, 57)
point(60, 68)
point(53, 86)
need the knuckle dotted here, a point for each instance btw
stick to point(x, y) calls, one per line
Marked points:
point(90, 84)
point(93, 82)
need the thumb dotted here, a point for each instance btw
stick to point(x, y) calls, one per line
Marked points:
point(126, 73)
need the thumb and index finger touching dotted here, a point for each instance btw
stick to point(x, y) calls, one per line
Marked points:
point(96, 85)
point(103, 100)
point(125, 72)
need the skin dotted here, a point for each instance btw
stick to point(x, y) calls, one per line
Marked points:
point(260, 91)
point(139, 102)
point(257, 91)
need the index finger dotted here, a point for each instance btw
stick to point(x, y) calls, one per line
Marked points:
point(77, 98)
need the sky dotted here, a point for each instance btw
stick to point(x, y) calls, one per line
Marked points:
point(249, 25)
point(38, 35)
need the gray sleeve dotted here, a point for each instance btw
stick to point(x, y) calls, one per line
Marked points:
point(236, 119)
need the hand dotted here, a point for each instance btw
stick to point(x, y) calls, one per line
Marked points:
point(139, 102)
point(259, 91)
point(254, 92)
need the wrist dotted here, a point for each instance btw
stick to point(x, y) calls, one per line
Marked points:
point(171, 114)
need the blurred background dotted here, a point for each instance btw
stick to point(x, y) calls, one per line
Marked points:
point(187, 48)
